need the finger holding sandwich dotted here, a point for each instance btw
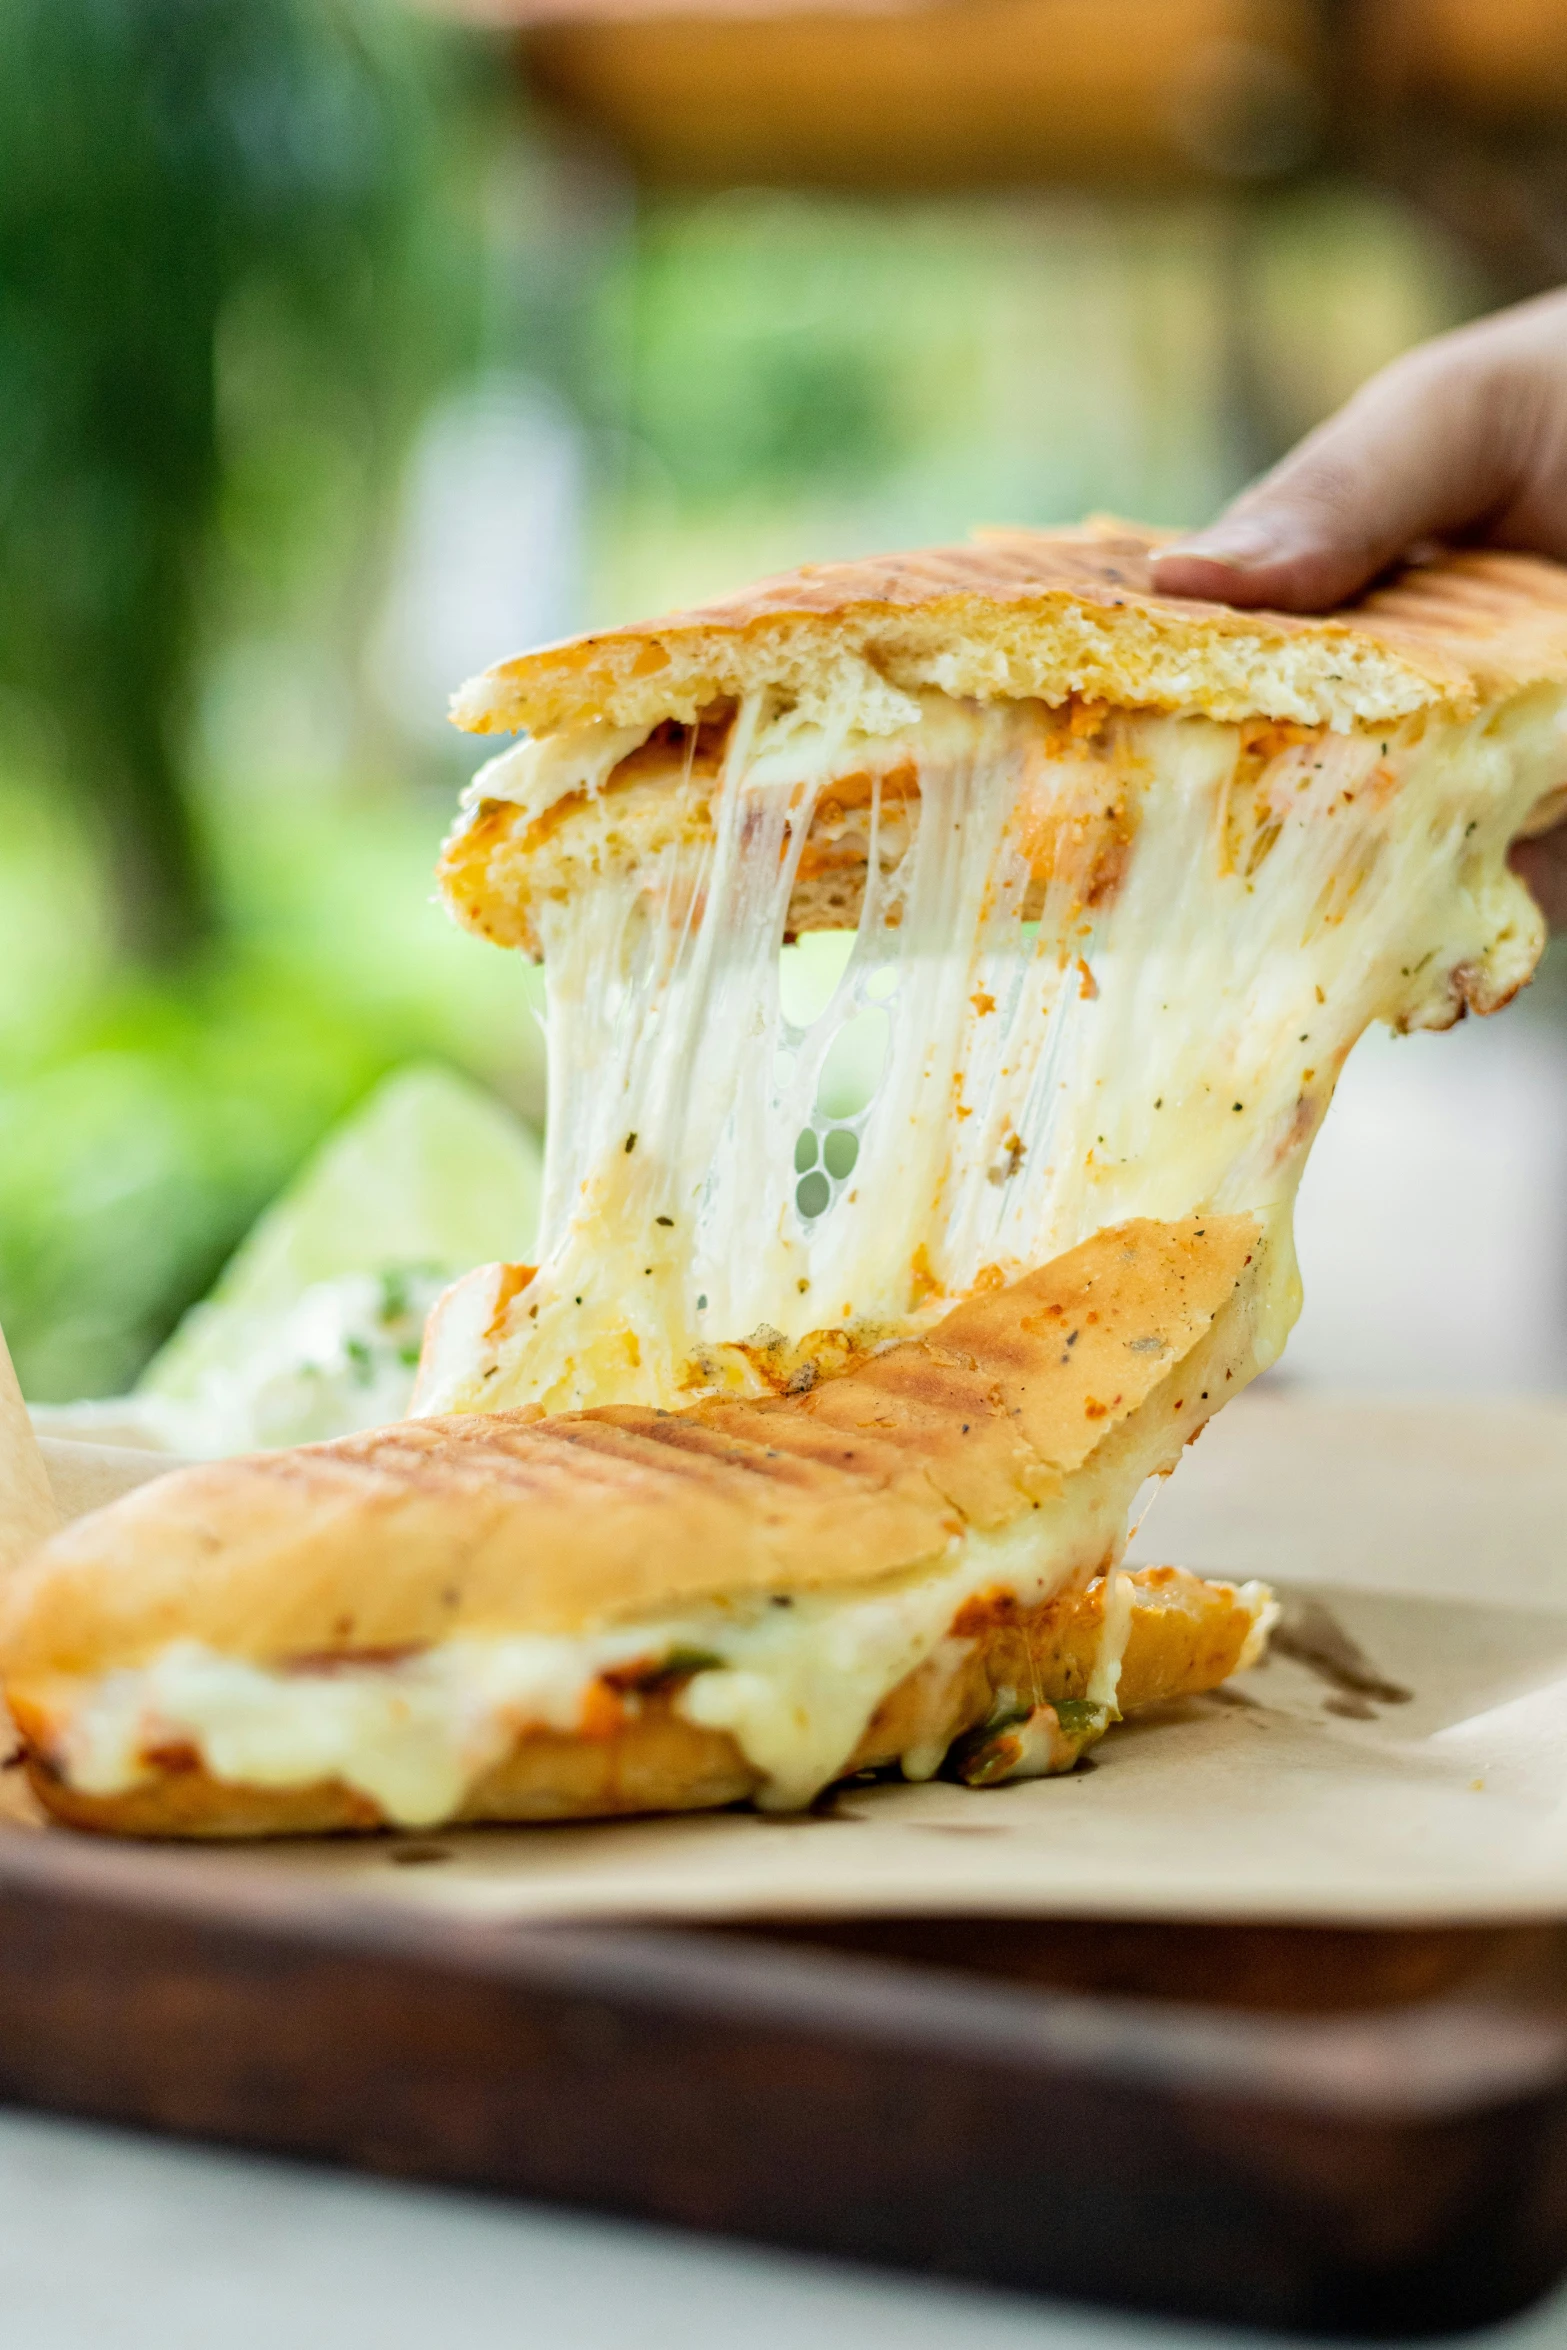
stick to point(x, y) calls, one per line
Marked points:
point(1462, 439)
point(809, 1442)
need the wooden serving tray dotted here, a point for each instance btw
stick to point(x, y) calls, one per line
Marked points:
point(1338, 2131)
point(1357, 2125)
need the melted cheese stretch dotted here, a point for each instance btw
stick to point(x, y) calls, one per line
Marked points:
point(1221, 913)
point(1217, 922)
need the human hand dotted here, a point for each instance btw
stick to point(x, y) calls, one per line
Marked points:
point(1463, 438)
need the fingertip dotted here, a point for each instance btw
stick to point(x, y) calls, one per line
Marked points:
point(1212, 579)
point(1284, 577)
point(1541, 865)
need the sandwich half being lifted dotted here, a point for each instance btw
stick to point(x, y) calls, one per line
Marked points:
point(1127, 876)
point(811, 1442)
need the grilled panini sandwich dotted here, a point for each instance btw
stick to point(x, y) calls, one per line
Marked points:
point(501, 1617)
point(861, 1317)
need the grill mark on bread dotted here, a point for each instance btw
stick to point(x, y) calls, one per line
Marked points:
point(553, 1525)
point(1048, 613)
point(686, 1450)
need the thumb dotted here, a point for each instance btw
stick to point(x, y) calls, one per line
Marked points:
point(1423, 451)
point(1542, 865)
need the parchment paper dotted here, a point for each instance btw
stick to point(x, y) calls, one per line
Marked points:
point(1436, 1536)
point(86, 1476)
point(29, 1512)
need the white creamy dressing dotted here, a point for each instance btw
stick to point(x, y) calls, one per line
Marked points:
point(339, 1358)
point(1169, 1048)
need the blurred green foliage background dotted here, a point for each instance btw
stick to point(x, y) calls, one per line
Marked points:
point(330, 370)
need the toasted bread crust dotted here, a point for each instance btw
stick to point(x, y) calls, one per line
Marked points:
point(500, 862)
point(1185, 1636)
point(1047, 614)
point(1074, 821)
point(501, 1523)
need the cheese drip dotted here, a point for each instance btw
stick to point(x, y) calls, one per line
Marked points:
point(795, 1688)
point(1119, 964)
point(1221, 911)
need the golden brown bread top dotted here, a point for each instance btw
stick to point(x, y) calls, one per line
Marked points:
point(503, 1525)
point(1049, 614)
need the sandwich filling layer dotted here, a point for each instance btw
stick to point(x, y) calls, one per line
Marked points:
point(793, 1682)
point(1105, 964)
point(776, 1568)
point(794, 1685)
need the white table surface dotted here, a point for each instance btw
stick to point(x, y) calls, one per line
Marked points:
point(130, 2243)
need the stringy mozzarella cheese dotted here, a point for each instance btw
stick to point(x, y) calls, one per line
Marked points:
point(1221, 912)
point(1114, 970)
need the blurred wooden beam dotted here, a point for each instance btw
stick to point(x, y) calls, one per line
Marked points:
point(967, 94)
point(1461, 105)
point(988, 93)
point(1502, 59)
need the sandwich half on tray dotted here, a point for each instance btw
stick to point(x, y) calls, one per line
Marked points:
point(860, 1323)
